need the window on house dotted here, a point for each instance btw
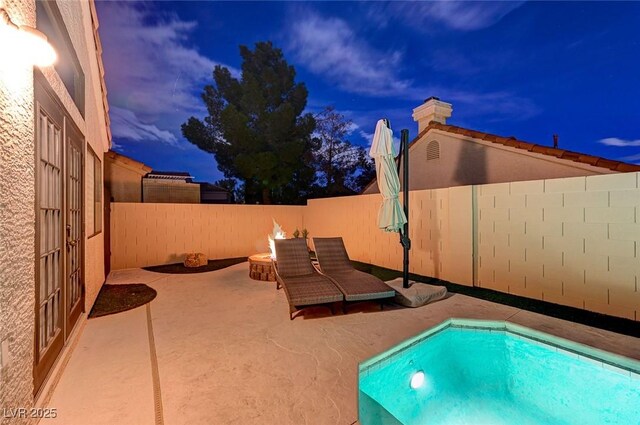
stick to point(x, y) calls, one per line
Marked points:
point(50, 22)
point(433, 150)
point(94, 194)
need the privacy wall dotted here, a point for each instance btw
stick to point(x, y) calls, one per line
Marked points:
point(151, 234)
point(440, 231)
point(571, 241)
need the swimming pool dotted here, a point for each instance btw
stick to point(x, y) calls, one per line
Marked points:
point(471, 372)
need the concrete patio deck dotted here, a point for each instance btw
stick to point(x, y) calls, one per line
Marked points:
point(219, 348)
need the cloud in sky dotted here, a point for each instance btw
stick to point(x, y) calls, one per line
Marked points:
point(356, 129)
point(117, 146)
point(623, 143)
point(457, 15)
point(369, 138)
point(614, 141)
point(496, 106)
point(366, 128)
point(126, 125)
point(153, 73)
point(330, 47)
point(632, 158)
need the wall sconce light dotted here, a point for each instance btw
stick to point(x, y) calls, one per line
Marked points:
point(23, 43)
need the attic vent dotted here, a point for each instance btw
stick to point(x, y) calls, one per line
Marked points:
point(433, 150)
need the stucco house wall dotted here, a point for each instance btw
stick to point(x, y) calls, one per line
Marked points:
point(78, 21)
point(17, 191)
point(17, 217)
point(447, 156)
point(464, 161)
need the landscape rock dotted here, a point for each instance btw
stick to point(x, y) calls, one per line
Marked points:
point(195, 260)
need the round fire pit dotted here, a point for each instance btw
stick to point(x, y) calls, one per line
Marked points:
point(261, 268)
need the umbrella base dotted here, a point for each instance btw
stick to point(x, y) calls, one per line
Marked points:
point(417, 294)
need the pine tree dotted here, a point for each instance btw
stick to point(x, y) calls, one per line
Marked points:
point(256, 128)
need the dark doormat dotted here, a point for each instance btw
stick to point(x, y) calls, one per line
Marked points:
point(118, 298)
point(179, 268)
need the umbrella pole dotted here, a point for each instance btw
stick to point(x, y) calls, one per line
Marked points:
point(404, 237)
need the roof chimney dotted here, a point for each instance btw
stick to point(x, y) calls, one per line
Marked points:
point(433, 109)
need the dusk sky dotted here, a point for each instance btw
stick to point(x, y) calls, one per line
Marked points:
point(525, 69)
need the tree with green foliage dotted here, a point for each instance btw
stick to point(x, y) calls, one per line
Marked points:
point(256, 128)
point(342, 168)
point(236, 192)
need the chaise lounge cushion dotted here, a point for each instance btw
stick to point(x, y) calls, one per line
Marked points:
point(355, 285)
point(332, 255)
point(361, 286)
point(293, 258)
point(302, 283)
point(311, 289)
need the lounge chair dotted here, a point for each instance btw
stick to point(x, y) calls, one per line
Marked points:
point(302, 283)
point(355, 285)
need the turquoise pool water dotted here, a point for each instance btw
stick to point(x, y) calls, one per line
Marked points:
point(494, 373)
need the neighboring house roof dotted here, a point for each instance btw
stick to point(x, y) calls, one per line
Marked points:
point(595, 161)
point(179, 175)
point(583, 158)
point(130, 163)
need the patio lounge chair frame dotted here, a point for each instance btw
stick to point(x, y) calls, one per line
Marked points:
point(356, 286)
point(303, 285)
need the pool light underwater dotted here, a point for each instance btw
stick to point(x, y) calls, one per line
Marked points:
point(417, 380)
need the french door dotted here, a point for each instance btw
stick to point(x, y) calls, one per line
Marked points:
point(74, 285)
point(59, 236)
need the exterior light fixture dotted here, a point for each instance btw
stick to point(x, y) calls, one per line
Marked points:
point(417, 380)
point(25, 44)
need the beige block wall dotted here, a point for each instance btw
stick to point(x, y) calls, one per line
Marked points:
point(17, 223)
point(151, 234)
point(572, 241)
point(440, 231)
point(169, 191)
point(353, 218)
point(568, 241)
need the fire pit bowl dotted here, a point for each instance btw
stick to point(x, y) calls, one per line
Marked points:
point(261, 268)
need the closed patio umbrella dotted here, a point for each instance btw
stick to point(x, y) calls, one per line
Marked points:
point(391, 216)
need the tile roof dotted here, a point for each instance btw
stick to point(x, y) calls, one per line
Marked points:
point(583, 158)
point(156, 174)
point(170, 173)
